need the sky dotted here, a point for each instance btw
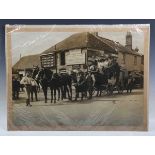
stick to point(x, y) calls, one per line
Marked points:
point(29, 43)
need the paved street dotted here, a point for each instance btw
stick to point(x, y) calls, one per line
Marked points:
point(126, 109)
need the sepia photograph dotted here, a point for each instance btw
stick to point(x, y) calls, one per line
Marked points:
point(77, 77)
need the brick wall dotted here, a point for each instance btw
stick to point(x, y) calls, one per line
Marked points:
point(130, 61)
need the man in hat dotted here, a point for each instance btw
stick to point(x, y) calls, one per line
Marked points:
point(15, 87)
point(26, 81)
point(130, 83)
point(90, 83)
point(34, 86)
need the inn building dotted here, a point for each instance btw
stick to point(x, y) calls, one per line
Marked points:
point(80, 50)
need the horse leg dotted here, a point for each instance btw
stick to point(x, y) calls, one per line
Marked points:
point(90, 93)
point(64, 91)
point(85, 94)
point(127, 89)
point(82, 94)
point(68, 92)
point(51, 94)
point(100, 91)
point(58, 89)
point(70, 88)
point(97, 91)
point(45, 93)
point(76, 95)
point(54, 95)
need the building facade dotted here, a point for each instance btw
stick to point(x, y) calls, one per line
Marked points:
point(80, 50)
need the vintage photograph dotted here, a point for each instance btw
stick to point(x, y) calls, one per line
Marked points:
point(77, 77)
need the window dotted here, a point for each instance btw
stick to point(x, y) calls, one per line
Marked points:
point(135, 60)
point(123, 60)
point(62, 58)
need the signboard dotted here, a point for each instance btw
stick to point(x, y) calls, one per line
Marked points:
point(48, 60)
point(75, 57)
point(76, 67)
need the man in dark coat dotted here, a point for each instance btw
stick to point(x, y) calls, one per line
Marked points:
point(15, 88)
point(90, 83)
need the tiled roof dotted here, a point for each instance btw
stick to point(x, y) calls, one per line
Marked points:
point(80, 40)
point(28, 62)
point(77, 40)
point(117, 46)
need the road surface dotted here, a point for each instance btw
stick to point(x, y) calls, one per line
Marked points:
point(116, 110)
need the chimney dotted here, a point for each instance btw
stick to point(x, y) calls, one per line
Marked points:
point(129, 40)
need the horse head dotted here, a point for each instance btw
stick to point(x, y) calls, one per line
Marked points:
point(35, 71)
point(45, 74)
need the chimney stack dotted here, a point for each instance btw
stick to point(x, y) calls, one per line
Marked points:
point(129, 40)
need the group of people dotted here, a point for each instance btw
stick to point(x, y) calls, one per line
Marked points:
point(28, 84)
point(61, 83)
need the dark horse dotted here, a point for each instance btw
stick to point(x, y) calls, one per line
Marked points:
point(44, 77)
point(58, 84)
point(66, 85)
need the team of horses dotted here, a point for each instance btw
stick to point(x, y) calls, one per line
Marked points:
point(61, 84)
